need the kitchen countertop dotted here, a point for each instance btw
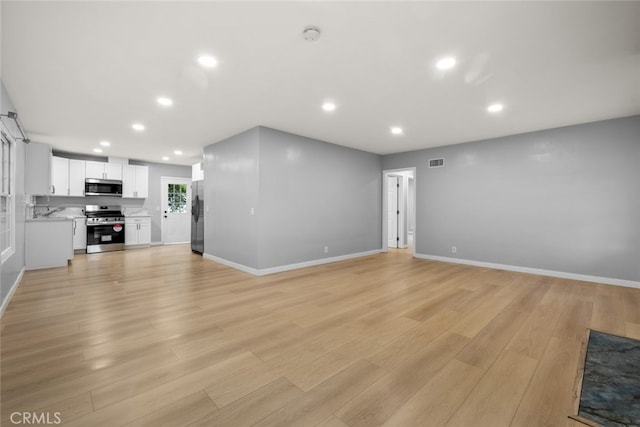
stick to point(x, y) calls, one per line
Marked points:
point(49, 219)
point(136, 213)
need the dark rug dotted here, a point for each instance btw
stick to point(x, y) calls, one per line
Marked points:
point(611, 382)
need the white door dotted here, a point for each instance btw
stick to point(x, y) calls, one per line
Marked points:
point(176, 210)
point(392, 211)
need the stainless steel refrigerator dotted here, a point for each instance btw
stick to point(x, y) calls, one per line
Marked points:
point(197, 216)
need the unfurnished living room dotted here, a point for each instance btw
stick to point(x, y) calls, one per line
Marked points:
point(310, 213)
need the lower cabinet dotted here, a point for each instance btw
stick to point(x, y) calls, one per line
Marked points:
point(79, 234)
point(48, 243)
point(137, 231)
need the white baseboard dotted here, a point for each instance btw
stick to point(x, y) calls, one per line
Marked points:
point(281, 268)
point(13, 289)
point(539, 271)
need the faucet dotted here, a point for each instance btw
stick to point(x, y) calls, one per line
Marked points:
point(54, 210)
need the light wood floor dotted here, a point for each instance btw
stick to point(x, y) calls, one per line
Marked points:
point(162, 337)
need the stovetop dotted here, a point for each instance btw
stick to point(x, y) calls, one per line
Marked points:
point(103, 213)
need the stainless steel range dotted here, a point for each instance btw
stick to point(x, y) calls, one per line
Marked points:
point(105, 228)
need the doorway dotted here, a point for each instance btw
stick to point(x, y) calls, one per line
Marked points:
point(398, 210)
point(176, 210)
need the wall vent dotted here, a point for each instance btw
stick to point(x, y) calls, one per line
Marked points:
point(436, 163)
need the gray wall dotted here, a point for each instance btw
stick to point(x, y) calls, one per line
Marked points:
point(315, 194)
point(230, 192)
point(10, 270)
point(152, 203)
point(306, 194)
point(565, 199)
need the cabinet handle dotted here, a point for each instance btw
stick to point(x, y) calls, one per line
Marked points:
point(53, 189)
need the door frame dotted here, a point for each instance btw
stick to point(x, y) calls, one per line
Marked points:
point(397, 179)
point(385, 174)
point(164, 180)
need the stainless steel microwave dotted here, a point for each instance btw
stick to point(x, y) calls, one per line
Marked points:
point(102, 187)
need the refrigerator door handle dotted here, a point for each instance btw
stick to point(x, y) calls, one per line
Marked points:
point(195, 209)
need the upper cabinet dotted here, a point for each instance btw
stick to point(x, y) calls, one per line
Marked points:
point(76, 177)
point(101, 170)
point(59, 176)
point(67, 177)
point(135, 181)
point(197, 172)
point(38, 176)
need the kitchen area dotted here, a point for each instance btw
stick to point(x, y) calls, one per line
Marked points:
point(80, 206)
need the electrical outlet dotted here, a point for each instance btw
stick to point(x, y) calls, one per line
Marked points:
point(454, 249)
point(253, 211)
point(326, 249)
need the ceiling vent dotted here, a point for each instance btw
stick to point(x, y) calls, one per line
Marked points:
point(311, 33)
point(436, 163)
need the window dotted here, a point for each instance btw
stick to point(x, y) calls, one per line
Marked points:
point(7, 199)
point(177, 198)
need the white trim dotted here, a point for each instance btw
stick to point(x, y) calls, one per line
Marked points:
point(385, 174)
point(281, 268)
point(10, 194)
point(232, 264)
point(538, 271)
point(156, 243)
point(13, 289)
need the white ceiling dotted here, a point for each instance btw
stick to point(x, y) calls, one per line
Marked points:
point(81, 72)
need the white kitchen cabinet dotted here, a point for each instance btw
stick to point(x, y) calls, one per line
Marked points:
point(135, 181)
point(94, 169)
point(38, 176)
point(76, 177)
point(67, 177)
point(197, 173)
point(137, 231)
point(48, 243)
point(79, 234)
point(59, 176)
point(102, 170)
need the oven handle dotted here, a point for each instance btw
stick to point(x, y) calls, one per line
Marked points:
point(95, 224)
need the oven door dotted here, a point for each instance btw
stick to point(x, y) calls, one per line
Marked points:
point(104, 237)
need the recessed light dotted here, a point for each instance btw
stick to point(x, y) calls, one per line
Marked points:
point(207, 61)
point(396, 130)
point(165, 158)
point(97, 150)
point(446, 63)
point(105, 143)
point(495, 108)
point(328, 106)
point(138, 126)
point(164, 101)
point(178, 153)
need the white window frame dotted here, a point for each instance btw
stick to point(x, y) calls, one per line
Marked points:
point(9, 192)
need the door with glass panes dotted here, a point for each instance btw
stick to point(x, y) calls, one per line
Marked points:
point(176, 210)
